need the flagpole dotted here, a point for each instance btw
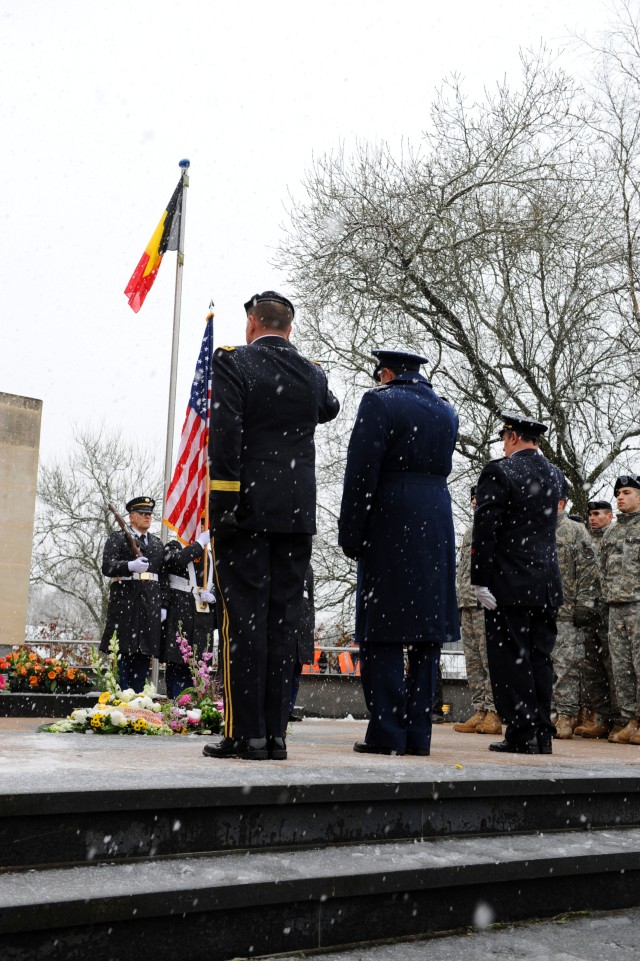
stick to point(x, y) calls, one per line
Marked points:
point(171, 412)
point(168, 455)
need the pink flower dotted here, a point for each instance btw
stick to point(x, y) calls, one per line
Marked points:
point(183, 700)
point(3, 682)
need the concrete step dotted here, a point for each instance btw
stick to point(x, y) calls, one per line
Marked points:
point(244, 905)
point(44, 828)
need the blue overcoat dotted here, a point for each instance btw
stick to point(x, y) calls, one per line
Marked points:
point(396, 518)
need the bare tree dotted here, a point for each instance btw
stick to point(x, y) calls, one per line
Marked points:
point(73, 521)
point(502, 246)
point(490, 249)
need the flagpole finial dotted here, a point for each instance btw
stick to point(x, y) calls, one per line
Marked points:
point(184, 163)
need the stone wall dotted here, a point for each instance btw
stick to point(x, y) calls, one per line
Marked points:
point(19, 444)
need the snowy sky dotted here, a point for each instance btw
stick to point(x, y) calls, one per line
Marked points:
point(101, 101)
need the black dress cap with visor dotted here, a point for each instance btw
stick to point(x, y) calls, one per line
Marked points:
point(399, 361)
point(268, 296)
point(141, 505)
point(521, 425)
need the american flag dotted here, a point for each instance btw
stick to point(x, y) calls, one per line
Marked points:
point(186, 497)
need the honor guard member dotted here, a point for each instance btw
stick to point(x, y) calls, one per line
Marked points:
point(267, 400)
point(579, 576)
point(135, 602)
point(396, 521)
point(514, 568)
point(484, 720)
point(190, 606)
point(600, 713)
point(620, 569)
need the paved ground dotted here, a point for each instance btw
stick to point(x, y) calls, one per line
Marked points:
point(318, 750)
point(599, 937)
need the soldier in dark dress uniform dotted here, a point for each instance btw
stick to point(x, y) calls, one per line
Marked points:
point(190, 605)
point(396, 521)
point(514, 568)
point(267, 400)
point(135, 602)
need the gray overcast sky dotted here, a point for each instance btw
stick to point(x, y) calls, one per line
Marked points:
point(100, 102)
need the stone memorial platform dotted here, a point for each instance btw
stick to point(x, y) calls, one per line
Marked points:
point(110, 843)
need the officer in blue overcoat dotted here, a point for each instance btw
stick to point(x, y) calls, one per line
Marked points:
point(396, 521)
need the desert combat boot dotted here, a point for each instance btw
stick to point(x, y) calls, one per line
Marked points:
point(490, 725)
point(469, 726)
point(565, 726)
point(599, 727)
point(625, 735)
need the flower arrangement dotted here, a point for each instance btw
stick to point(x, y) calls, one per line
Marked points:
point(198, 710)
point(125, 713)
point(27, 670)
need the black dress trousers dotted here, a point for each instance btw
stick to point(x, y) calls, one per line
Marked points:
point(260, 578)
point(519, 645)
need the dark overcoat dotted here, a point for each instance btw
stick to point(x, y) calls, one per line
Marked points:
point(396, 514)
point(267, 400)
point(182, 615)
point(134, 605)
point(513, 549)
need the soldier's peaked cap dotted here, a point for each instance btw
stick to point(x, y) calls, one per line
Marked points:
point(511, 420)
point(397, 360)
point(140, 504)
point(271, 296)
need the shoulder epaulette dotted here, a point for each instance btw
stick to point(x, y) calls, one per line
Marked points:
point(226, 348)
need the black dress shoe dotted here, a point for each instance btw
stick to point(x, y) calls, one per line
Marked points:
point(512, 747)
point(541, 745)
point(437, 718)
point(277, 747)
point(251, 749)
point(361, 747)
point(227, 747)
point(419, 751)
point(295, 717)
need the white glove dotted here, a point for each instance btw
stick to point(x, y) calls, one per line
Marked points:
point(163, 615)
point(139, 566)
point(208, 597)
point(204, 538)
point(485, 598)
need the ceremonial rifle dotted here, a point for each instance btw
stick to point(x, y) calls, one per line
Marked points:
point(128, 533)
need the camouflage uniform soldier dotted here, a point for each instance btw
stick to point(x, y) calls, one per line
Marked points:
point(600, 713)
point(620, 557)
point(579, 575)
point(484, 720)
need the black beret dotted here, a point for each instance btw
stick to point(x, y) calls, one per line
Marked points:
point(397, 360)
point(474, 490)
point(626, 480)
point(141, 505)
point(270, 296)
point(600, 506)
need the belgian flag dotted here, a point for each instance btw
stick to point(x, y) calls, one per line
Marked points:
point(166, 236)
